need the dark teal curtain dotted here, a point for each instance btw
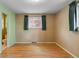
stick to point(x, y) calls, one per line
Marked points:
point(72, 17)
point(25, 22)
point(43, 22)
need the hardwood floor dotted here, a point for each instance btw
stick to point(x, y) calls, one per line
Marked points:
point(34, 51)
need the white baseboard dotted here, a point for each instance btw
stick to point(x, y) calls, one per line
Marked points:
point(22, 42)
point(66, 50)
point(31, 42)
point(45, 42)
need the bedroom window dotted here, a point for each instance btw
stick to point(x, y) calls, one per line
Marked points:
point(34, 22)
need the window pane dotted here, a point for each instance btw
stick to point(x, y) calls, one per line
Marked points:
point(35, 22)
point(78, 15)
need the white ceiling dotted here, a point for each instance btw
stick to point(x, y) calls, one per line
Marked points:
point(43, 6)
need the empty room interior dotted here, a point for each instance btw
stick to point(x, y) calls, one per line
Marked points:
point(39, 28)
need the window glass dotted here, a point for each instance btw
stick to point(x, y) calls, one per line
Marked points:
point(35, 22)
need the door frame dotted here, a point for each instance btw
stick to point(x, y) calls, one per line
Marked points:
point(2, 14)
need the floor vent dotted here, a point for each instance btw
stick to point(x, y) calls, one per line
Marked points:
point(34, 42)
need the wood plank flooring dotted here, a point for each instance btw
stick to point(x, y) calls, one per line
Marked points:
point(35, 51)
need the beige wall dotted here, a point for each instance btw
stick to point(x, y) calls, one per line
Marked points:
point(35, 35)
point(68, 39)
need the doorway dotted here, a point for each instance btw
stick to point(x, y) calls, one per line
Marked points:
point(4, 31)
